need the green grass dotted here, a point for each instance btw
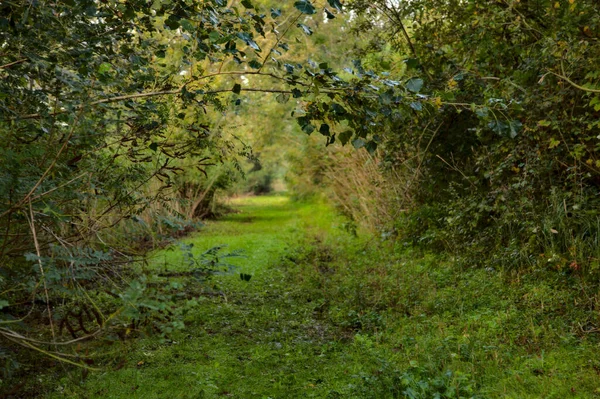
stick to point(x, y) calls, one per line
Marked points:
point(327, 315)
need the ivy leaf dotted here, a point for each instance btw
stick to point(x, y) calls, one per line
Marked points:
point(153, 146)
point(324, 130)
point(247, 4)
point(275, 12)
point(515, 128)
point(414, 84)
point(482, 112)
point(335, 4)
point(306, 29)
point(305, 6)
point(296, 93)
point(3, 303)
point(329, 14)
point(237, 88)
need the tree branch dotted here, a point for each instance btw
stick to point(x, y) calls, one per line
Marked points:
point(569, 81)
point(167, 92)
point(13, 63)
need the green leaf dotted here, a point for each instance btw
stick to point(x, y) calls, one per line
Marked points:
point(358, 143)
point(335, 4)
point(411, 63)
point(345, 137)
point(153, 146)
point(308, 129)
point(416, 106)
point(371, 146)
point(296, 93)
point(172, 22)
point(324, 130)
point(338, 109)
point(306, 29)
point(248, 40)
point(482, 112)
point(3, 303)
point(254, 64)
point(237, 88)
point(329, 14)
point(544, 123)
point(283, 98)
point(214, 36)
point(304, 122)
point(275, 12)
point(305, 6)
point(187, 25)
point(330, 140)
point(414, 84)
point(247, 4)
point(245, 277)
point(515, 128)
point(104, 67)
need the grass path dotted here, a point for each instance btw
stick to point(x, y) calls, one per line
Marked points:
point(326, 315)
point(255, 341)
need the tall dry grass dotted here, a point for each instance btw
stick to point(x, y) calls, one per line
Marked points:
point(370, 195)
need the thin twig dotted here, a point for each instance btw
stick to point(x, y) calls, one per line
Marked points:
point(587, 89)
point(14, 334)
point(279, 40)
point(40, 263)
point(163, 93)
point(58, 187)
point(456, 169)
point(13, 63)
point(50, 354)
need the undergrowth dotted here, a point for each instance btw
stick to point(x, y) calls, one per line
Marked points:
point(326, 314)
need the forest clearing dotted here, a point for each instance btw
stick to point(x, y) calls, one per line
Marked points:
point(305, 198)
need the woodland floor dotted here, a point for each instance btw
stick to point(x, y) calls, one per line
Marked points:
point(329, 315)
